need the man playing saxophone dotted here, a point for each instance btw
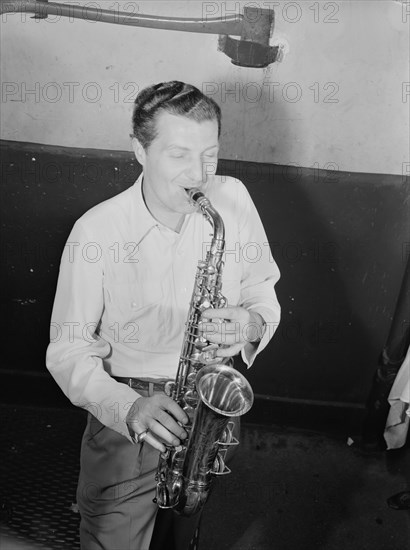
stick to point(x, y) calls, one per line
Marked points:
point(121, 305)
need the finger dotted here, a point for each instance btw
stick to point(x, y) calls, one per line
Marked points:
point(228, 328)
point(230, 351)
point(169, 405)
point(159, 431)
point(210, 347)
point(222, 333)
point(153, 441)
point(170, 424)
point(227, 339)
point(220, 313)
point(209, 328)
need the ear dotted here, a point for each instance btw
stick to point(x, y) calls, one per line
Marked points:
point(139, 151)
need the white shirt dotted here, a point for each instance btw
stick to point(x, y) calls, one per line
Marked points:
point(398, 419)
point(125, 286)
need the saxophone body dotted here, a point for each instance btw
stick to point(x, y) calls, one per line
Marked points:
point(207, 388)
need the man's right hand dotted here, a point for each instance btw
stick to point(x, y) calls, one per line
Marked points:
point(162, 416)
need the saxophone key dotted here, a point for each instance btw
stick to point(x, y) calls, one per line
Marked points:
point(200, 342)
point(191, 398)
point(204, 305)
point(169, 388)
point(219, 467)
point(191, 378)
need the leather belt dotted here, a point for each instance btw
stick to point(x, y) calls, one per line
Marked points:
point(144, 385)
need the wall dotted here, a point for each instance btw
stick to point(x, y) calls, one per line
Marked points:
point(340, 240)
point(339, 231)
point(335, 101)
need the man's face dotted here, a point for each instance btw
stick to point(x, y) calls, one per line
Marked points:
point(183, 155)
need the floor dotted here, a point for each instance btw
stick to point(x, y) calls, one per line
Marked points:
point(289, 489)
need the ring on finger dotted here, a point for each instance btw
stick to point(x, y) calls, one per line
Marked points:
point(142, 436)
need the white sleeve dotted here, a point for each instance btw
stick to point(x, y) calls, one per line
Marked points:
point(260, 273)
point(75, 353)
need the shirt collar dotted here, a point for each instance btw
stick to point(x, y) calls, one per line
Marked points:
point(143, 219)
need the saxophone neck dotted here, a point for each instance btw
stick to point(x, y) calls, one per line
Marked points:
point(218, 239)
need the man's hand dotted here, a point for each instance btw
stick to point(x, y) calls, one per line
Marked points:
point(161, 416)
point(233, 327)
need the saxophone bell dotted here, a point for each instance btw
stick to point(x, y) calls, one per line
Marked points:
point(223, 394)
point(224, 390)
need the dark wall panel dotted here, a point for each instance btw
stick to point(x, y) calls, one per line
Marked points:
point(339, 238)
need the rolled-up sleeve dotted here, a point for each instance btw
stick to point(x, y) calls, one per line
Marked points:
point(76, 351)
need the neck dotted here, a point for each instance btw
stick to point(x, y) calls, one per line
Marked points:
point(173, 220)
point(179, 224)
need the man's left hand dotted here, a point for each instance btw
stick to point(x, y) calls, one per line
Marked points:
point(231, 328)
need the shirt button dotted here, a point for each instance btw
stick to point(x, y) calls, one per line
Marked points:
point(133, 304)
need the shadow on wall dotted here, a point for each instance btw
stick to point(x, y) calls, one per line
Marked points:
point(337, 237)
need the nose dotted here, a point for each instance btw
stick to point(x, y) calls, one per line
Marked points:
point(196, 172)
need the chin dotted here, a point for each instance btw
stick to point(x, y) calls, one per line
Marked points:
point(189, 208)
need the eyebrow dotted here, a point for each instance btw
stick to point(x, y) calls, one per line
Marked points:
point(181, 148)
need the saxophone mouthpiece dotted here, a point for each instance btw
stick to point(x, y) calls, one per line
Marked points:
point(194, 194)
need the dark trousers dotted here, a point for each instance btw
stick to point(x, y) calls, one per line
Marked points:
point(115, 496)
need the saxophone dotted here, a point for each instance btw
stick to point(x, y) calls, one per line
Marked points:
point(207, 388)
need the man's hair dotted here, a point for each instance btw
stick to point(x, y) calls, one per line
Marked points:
point(176, 98)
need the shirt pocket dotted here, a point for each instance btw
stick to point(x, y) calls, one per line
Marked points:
point(127, 301)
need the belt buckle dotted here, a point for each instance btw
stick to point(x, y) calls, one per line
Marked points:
point(159, 386)
point(141, 385)
point(136, 384)
point(145, 385)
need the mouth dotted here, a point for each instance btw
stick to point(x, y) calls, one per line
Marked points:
point(189, 191)
point(194, 196)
